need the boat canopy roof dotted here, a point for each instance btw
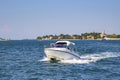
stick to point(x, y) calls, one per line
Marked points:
point(68, 43)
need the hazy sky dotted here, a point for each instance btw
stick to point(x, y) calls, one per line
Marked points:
point(22, 19)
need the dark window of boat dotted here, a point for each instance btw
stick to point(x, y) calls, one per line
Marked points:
point(61, 44)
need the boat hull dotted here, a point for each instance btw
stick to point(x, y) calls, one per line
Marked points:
point(60, 54)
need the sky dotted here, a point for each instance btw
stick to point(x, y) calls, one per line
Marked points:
point(28, 19)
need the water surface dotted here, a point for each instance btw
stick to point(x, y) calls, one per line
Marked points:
point(24, 60)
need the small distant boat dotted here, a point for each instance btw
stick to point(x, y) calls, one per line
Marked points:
point(105, 38)
point(61, 50)
point(1, 39)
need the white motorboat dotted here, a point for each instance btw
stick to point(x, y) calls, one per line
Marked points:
point(61, 50)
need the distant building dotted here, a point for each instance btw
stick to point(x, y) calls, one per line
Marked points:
point(83, 38)
point(90, 37)
point(50, 37)
point(47, 38)
point(59, 38)
point(73, 37)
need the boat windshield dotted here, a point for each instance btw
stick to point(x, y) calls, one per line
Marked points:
point(61, 44)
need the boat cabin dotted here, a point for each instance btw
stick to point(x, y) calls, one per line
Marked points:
point(64, 44)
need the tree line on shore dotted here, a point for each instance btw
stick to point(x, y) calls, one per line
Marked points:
point(92, 35)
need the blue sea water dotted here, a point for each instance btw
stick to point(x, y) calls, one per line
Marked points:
point(24, 60)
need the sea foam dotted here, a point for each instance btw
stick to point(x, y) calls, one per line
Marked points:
point(88, 58)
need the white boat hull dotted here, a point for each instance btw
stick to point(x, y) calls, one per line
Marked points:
point(60, 54)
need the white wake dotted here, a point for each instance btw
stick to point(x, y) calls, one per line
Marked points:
point(89, 58)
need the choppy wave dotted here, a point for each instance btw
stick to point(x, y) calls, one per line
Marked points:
point(89, 58)
point(100, 60)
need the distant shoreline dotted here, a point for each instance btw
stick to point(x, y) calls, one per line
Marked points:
point(80, 39)
point(83, 36)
